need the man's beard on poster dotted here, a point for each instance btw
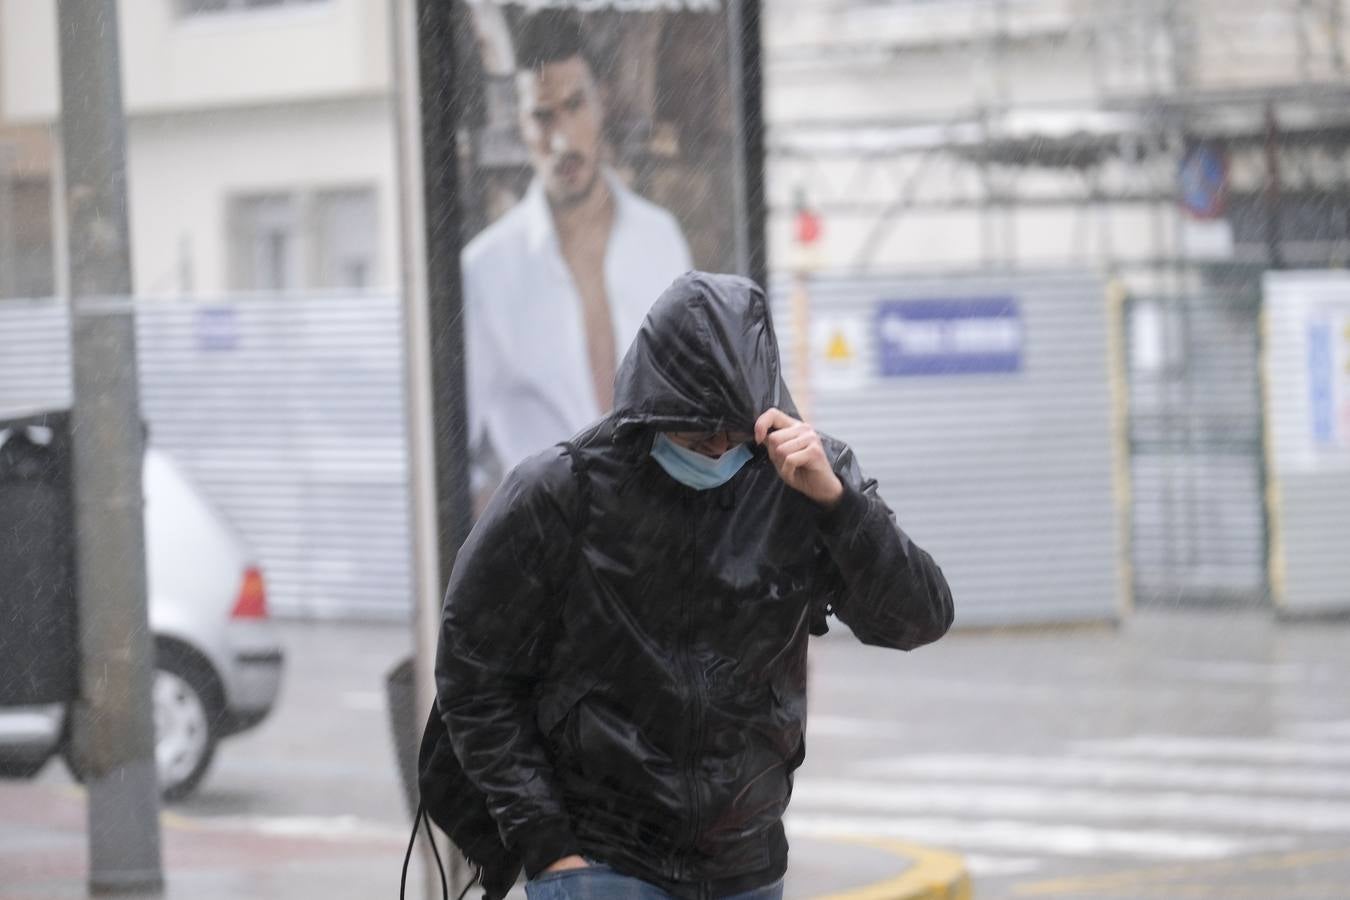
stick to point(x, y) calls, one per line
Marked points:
point(569, 198)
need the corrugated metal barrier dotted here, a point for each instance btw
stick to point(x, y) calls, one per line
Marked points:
point(984, 407)
point(1196, 446)
point(287, 411)
point(1307, 392)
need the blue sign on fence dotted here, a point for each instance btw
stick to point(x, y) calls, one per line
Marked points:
point(217, 328)
point(949, 337)
point(1322, 390)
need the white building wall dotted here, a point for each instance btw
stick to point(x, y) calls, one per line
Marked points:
point(1244, 43)
point(183, 169)
point(862, 89)
point(293, 99)
point(320, 50)
point(28, 85)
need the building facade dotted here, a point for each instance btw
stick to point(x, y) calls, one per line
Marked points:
point(260, 144)
point(1175, 148)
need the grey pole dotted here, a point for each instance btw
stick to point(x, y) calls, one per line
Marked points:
point(425, 119)
point(420, 416)
point(8, 260)
point(113, 729)
point(417, 353)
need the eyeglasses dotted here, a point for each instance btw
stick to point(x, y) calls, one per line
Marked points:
point(704, 441)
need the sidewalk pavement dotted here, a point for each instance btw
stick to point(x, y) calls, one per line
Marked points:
point(44, 852)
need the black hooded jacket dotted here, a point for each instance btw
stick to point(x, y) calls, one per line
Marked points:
point(622, 663)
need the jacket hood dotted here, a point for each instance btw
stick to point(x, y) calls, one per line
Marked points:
point(705, 359)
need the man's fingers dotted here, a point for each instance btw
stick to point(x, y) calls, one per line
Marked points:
point(777, 439)
point(795, 444)
point(800, 460)
point(772, 418)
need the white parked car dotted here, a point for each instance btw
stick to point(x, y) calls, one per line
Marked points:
point(218, 659)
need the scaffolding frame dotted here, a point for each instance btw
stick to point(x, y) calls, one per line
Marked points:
point(1122, 144)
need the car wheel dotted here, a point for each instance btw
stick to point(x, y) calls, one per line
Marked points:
point(186, 725)
point(186, 709)
point(22, 768)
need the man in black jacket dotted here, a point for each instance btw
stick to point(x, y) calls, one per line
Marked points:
point(622, 663)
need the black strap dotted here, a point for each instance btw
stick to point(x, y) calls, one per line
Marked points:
point(421, 820)
point(583, 513)
point(440, 867)
point(476, 879)
point(578, 529)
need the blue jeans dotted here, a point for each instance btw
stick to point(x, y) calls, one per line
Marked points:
point(600, 882)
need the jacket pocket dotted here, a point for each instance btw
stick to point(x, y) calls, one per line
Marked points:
point(557, 702)
point(790, 708)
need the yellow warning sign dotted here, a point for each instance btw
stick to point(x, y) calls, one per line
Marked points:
point(838, 349)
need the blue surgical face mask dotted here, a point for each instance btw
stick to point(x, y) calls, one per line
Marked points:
point(695, 470)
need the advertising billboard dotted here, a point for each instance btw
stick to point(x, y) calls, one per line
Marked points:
point(603, 151)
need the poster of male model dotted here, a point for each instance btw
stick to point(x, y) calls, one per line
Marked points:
point(603, 151)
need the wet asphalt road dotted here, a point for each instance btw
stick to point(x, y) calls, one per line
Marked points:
point(1181, 755)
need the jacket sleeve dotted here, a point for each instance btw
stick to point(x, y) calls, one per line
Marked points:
point(890, 592)
point(497, 628)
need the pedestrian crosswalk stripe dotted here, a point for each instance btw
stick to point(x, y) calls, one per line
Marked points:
point(1254, 748)
point(1316, 729)
point(848, 727)
point(1034, 837)
point(988, 865)
point(340, 827)
point(1246, 671)
point(1107, 772)
point(1280, 813)
point(1152, 796)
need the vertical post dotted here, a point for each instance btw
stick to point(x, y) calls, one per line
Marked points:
point(805, 258)
point(752, 255)
point(8, 261)
point(1117, 311)
point(114, 736)
point(801, 344)
point(442, 216)
point(417, 350)
point(1334, 23)
point(1271, 195)
point(423, 41)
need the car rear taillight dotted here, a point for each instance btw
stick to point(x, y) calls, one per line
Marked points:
point(252, 601)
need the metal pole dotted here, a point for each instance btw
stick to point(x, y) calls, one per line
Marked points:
point(429, 178)
point(747, 85)
point(418, 377)
point(417, 352)
point(113, 729)
point(439, 108)
point(1270, 195)
point(9, 281)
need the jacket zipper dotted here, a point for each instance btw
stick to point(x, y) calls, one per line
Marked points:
point(696, 685)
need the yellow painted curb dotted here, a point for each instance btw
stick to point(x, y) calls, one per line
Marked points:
point(167, 817)
point(933, 875)
point(1189, 879)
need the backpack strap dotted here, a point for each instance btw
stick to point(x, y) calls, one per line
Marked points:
point(449, 798)
point(582, 477)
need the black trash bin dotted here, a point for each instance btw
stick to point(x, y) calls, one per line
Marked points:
point(39, 652)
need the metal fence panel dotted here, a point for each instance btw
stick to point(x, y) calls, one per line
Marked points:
point(1307, 372)
point(1196, 447)
point(1008, 478)
point(287, 411)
